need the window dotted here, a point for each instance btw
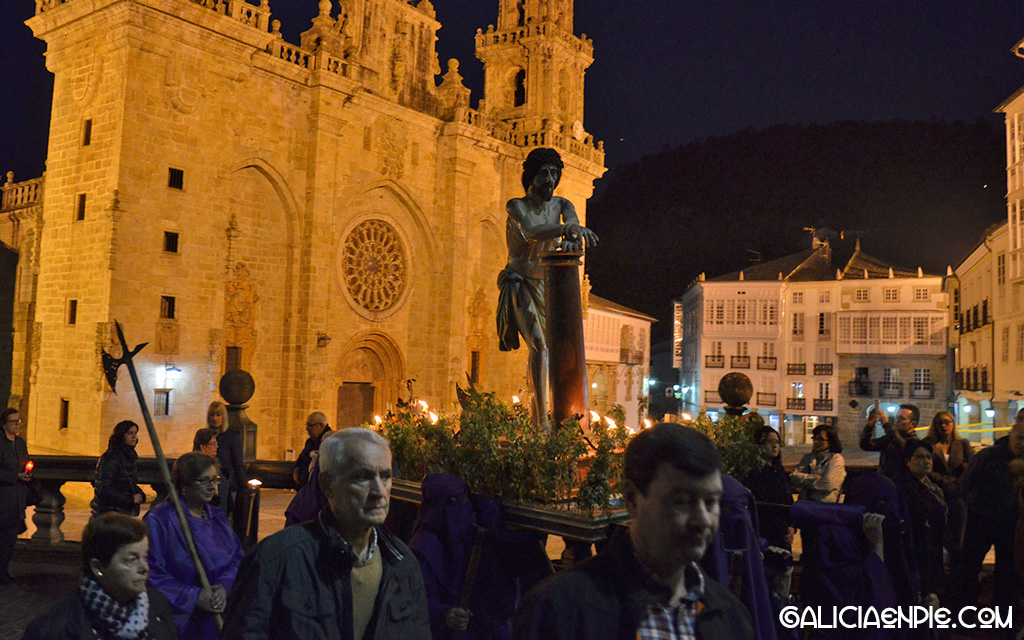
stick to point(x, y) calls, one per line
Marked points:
point(773, 312)
point(716, 348)
point(176, 178)
point(87, 132)
point(861, 295)
point(922, 295)
point(1006, 344)
point(1020, 343)
point(167, 307)
point(171, 241)
point(956, 303)
point(922, 376)
point(860, 374)
point(768, 349)
point(824, 388)
point(797, 389)
point(798, 324)
point(824, 355)
point(891, 294)
point(80, 207)
point(72, 313)
point(474, 367)
point(824, 297)
point(889, 330)
point(798, 297)
point(1001, 268)
point(65, 409)
point(719, 312)
point(920, 330)
point(519, 89)
point(232, 359)
point(824, 324)
point(161, 403)
point(890, 374)
point(860, 330)
point(741, 348)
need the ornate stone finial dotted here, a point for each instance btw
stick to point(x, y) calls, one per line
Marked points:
point(275, 28)
point(891, 274)
point(453, 77)
point(325, 8)
point(735, 390)
point(427, 7)
point(10, 174)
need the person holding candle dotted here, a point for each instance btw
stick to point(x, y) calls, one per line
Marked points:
point(14, 479)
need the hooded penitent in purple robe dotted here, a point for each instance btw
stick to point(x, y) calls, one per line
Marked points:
point(443, 538)
point(172, 571)
point(734, 558)
point(308, 501)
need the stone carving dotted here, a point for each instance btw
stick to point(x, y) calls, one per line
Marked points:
point(240, 309)
point(215, 357)
point(167, 337)
point(86, 78)
point(374, 265)
point(392, 140)
point(115, 212)
point(35, 347)
point(399, 64)
point(183, 92)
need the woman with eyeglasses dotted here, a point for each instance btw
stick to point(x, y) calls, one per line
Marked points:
point(196, 476)
point(13, 487)
point(819, 475)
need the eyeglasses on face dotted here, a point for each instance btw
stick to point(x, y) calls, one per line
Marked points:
point(14, 421)
point(207, 482)
point(945, 421)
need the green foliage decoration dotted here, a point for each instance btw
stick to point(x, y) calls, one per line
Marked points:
point(735, 443)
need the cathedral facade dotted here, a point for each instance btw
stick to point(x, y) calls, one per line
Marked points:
point(328, 216)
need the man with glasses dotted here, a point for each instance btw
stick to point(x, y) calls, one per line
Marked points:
point(13, 487)
point(892, 460)
point(317, 429)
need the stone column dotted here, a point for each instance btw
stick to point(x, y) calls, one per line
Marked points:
point(567, 367)
point(49, 514)
point(237, 387)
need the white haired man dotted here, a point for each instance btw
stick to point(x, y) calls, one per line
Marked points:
point(302, 582)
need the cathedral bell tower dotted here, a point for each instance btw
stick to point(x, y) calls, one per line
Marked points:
point(534, 65)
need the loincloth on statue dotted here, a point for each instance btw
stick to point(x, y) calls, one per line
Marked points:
point(509, 281)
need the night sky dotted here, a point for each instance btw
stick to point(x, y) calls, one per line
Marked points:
point(668, 71)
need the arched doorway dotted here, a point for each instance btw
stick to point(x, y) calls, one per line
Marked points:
point(370, 374)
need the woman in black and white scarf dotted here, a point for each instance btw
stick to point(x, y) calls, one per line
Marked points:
point(112, 602)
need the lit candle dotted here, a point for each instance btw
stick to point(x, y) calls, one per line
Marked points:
point(28, 466)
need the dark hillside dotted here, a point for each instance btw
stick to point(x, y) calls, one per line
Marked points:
point(917, 193)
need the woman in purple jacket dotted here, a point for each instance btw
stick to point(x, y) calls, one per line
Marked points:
point(171, 568)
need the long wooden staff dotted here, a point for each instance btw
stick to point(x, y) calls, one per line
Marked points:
point(110, 366)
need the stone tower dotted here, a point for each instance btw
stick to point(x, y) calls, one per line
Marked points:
point(326, 216)
point(534, 66)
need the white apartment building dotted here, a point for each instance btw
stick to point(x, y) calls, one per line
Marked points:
point(820, 344)
point(618, 345)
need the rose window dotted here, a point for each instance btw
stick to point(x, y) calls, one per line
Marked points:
point(374, 265)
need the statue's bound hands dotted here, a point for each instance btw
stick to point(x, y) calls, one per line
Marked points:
point(578, 234)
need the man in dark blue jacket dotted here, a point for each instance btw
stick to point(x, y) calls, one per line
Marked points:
point(647, 583)
point(342, 575)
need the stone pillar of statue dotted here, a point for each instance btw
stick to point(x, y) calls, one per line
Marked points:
point(567, 365)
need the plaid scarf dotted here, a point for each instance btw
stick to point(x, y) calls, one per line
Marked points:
point(111, 619)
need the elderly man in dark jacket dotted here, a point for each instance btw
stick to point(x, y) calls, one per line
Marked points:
point(648, 581)
point(341, 575)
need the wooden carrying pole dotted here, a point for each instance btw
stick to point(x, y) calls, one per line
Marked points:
point(165, 473)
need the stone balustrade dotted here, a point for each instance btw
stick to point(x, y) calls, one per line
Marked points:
point(53, 472)
point(491, 37)
point(255, 16)
point(18, 195)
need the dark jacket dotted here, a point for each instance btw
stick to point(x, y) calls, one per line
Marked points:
point(927, 510)
point(605, 597)
point(116, 483)
point(67, 620)
point(891, 461)
point(771, 489)
point(13, 456)
point(295, 584)
point(306, 457)
point(987, 486)
point(960, 454)
point(232, 463)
